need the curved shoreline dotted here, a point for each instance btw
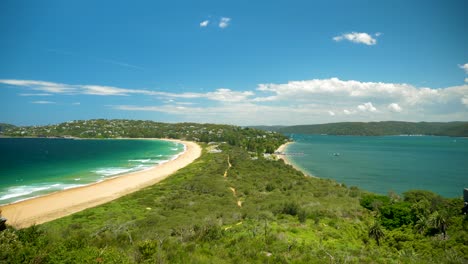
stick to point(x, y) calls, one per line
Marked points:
point(62, 203)
point(282, 149)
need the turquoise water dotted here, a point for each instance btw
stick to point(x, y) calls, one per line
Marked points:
point(383, 164)
point(31, 167)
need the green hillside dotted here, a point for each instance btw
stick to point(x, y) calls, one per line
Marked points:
point(455, 129)
point(262, 211)
point(258, 141)
point(4, 127)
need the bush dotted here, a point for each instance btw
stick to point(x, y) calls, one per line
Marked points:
point(290, 208)
point(374, 201)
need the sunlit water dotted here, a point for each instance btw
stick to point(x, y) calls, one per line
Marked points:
point(32, 167)
point(383, 164)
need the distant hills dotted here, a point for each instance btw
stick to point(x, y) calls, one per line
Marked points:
point(136, 128)
point(4, 126)
point(387, 128)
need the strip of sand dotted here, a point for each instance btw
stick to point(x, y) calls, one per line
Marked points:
point(283, 155)
point(59, 204)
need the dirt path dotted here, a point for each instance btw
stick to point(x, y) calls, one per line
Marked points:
point(239, 202)
point(229, 166)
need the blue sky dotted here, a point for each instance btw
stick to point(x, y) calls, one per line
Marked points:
point(236, 62)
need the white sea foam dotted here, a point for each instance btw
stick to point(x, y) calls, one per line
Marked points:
point(25, 192)
point(69, 186)
point(106, 172)
point(141, 160)
point(112, 171)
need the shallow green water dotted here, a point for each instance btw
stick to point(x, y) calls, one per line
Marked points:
point(383, 164)
point(31, 167)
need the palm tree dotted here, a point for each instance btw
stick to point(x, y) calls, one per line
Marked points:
point(439, 221)
point(376, 232)
point(422, 224)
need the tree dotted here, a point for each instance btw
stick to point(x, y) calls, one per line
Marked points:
point(422, 224)
point(439, 222)
point(376, 232)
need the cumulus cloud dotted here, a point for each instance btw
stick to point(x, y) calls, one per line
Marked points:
point(324, 89)
point(464, 100)
point(464, 67)
point(358, 37)
point(204, 23)
point(367, 107)
point(294, 102)
point(227, 95)
point(394, 107)
point(224, 22)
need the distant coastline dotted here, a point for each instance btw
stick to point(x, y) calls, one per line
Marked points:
point(62, 203)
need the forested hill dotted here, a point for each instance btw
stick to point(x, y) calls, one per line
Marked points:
point(251, 139)
point(454, 129)
point(4, 126)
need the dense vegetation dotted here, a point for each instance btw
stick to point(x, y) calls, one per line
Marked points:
point(228, 207)
point(254, 140)
point(454, 129)
point(4, 127)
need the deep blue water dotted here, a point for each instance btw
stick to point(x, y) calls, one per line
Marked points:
point(390, 163)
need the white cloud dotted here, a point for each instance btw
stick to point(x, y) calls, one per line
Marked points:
point(394, 107)
point(43, 102)
point(224, 22)
point(107, 90)
point(358, 37)
point(464, 100)
point(227, 95)
point(76, 103)
point(204, 23)
point(464, 67)
point(294, 102)
point(40, 85)
point(34, 94)
point(336, 89)
point(221, 94)
point(367, 107)
point(466, 80)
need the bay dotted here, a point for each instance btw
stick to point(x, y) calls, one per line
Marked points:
point(384, 164)
point(31, 167)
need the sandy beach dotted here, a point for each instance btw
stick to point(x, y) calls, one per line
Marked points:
point(59, 204)
point(283, 149)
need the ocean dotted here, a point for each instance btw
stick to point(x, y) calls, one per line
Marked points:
point(31, 167)
point(384, 164)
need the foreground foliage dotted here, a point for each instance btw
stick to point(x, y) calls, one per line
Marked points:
point(227, 207)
